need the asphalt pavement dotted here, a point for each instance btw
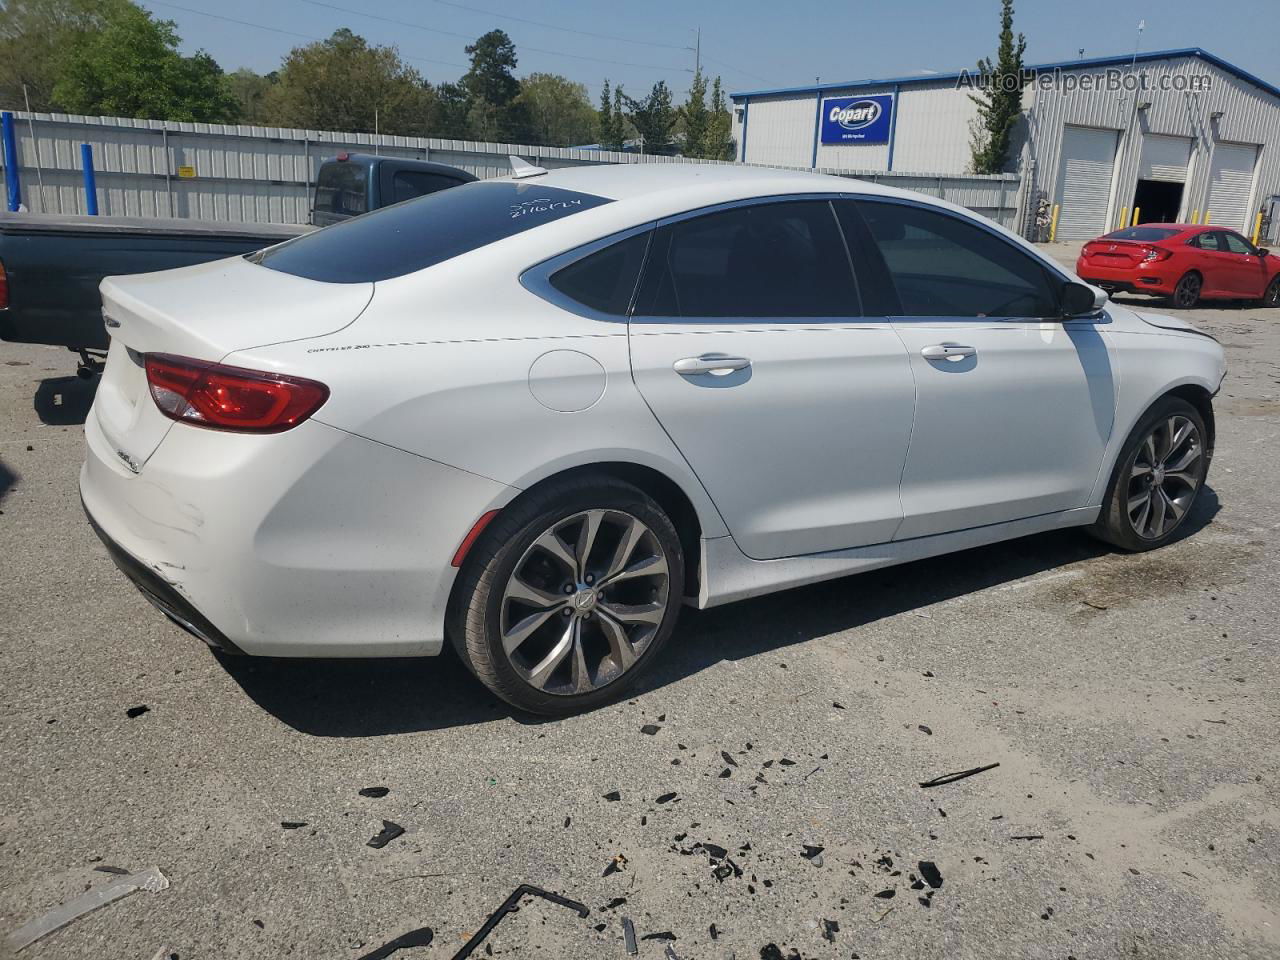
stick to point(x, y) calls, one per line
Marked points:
point(1130, 701)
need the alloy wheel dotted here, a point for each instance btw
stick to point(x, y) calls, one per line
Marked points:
point(1187, 292)
point(584, 602)
point(1164, 477)
point(1272, 296)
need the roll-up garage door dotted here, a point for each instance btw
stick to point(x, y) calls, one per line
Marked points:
point(1231, 184)
point(1084, 181)
point(1164, 158)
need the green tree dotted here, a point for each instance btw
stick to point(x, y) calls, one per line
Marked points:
point(131, 67)
point(719, 143)
point(1000, 100)
point(343, 83)
point(696, 118)
point(34, 38)
point(496, 112)
point(448, 117)
point(252, 91)
point(606, 123)
point(559, 112)
point(653, 117)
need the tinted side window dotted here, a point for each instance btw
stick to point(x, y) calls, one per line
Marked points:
point(943, 266)
point(606, 279)
point(340, 188)
point(407, 184)
point(1212, 241)
point(766, 260)
point(1235, 244)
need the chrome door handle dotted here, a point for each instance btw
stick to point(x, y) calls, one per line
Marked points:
point(947, 351)
point(710, 363)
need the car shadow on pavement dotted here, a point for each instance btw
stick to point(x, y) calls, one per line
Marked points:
point(7, 479)
point(65, 401)
point(369, 698)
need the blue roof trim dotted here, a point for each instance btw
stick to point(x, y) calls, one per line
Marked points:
point(1061, 64)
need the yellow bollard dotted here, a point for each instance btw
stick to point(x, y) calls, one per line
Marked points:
point(1053, 225)
point(1206, 218)
point(1124, 217)
point(1257, 228)
point(1195, 216)
point(1136, 211)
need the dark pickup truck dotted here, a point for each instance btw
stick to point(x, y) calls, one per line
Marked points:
point(50, 266)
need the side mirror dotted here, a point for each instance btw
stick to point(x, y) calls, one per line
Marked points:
point(1082, 300)
point(1264, 252)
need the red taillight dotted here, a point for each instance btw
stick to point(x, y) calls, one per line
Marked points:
point(1156, 253)
point(4, 288)
point(230, 398)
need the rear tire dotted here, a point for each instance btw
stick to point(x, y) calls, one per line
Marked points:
point(1187, 292)
point(569, 595)
point(1157, 478)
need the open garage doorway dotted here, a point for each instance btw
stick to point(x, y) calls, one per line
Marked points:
point(1157, 201)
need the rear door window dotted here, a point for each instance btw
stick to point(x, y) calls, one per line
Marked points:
point(420, 233)
point(941, 265)
point(605, 281)
point(784, 259)
point(1235, 244)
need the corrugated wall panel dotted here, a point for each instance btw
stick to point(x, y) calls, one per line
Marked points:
point(780, 131)
point(933, 130)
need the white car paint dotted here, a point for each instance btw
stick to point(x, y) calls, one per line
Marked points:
point(456, 387)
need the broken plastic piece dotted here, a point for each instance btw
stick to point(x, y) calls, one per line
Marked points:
point(151, 880)
point(292, 824)
point(376, 793)
point(663, 935)
point(650, 729)
point(629, 935)
point(829, 930)
point(510, 905)
point(666, 798)
point(958, 775)
point(421, 937)
point(137, 711)
point(930, 873)
point(388, 833)
point(670, 953)
point(612, 796)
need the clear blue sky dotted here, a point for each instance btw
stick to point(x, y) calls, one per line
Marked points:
point(750, 43)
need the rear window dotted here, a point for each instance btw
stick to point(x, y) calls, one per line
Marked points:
point(420, 233)
point(1143, 234)
point(340, 188)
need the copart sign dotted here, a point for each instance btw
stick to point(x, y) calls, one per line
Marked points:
point(857, 119)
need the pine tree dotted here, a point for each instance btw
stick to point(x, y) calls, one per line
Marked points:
point(1000, 103)
point(696, 118)
point(719, 145)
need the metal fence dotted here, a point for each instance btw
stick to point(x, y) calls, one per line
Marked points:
point(156, 168)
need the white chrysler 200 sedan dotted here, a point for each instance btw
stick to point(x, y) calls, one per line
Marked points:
point(535, 415)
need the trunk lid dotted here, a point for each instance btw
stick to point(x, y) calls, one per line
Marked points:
point(207, 312)
point(1117, 253)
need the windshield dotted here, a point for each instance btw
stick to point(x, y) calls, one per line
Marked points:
point(422, 232)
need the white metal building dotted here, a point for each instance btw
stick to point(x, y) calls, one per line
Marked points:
point(1182, 135)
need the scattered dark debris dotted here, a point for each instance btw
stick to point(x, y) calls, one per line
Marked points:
point(292, 824)
point(567, 821)
point(829, 930)
point(930, 873)
point(619, 862)
point(375, 793)
point(886, 894)
point(614, 903)
point(1135, 871)
point(1223, 722)
point(598, 928)
point(510, 905)
point(1028, 836)
point(837, 704)
point(929, 674)
point(925, 730)
point(262, 926)
point(118, 871)
point(812, 853)
point(663, 935)
point(629, 935)
point(725, 773)
point(137, 711)
point(715, 934)
point(666, 798)
point(388, 833)
point(650, 729)
point(958, 775)
point(786, 762)
point(612, 796)
point(670, 953)
point(724, 755)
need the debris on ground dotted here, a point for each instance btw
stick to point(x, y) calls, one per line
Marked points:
point(421, 937)
point(612, 796)
point(829, 930)
point(292, 824)
point(511, 905)
point(151, 880)
point(375, 793)
point(118, 871)
point(650, 729)
point(812, 854)
point(670, 953)
point(958, 775)
point(137, 711)
point(930, 873)
point(629, 936)
point(663, 935)
point(619, 862)
point(388, 833)
point(925, 730)
point(666, 798)
point(1028, 836)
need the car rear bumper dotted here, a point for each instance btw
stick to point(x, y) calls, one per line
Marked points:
point(1127, 279)
point(309, 543)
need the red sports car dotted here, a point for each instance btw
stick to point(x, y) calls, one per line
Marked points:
point(1187, 262)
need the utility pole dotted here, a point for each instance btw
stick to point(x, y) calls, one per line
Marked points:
point(697, 53)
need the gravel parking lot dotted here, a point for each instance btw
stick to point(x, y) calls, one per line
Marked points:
point(1131, 703)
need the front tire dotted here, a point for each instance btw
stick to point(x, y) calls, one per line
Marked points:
point(1159, 474)
point(1272, 297)
point(569, 595)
